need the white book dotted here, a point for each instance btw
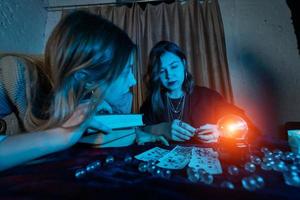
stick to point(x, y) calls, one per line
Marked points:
point(2, 137)
point(120, 121)
point(104, 138)
point(122, 134)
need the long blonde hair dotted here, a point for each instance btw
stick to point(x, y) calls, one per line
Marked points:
point(83, 51)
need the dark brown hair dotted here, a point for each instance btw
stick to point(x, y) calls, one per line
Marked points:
point(154, 86)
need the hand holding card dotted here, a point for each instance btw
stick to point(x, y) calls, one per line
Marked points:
point(180, 131)
point(208, 133)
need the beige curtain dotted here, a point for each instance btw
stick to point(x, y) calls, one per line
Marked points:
point(196, 26)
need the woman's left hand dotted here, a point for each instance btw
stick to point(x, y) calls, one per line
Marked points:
point(144, 137)
point(208, 133)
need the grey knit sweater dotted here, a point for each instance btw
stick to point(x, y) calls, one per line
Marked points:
point(13, 93)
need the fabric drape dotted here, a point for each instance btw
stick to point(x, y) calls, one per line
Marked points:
point(196, 26)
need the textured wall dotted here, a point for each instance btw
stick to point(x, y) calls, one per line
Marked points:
point(263, 60)
point(22, 26)
point(53, 19)
point(55, 15)
point(53, 3)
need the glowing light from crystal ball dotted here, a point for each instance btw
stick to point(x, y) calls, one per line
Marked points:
point(233, 126)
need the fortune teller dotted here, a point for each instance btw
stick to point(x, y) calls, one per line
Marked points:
point(176, 108)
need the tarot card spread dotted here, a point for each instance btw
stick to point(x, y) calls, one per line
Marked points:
point(152, 154)
point(206, 159)
point(179, 157)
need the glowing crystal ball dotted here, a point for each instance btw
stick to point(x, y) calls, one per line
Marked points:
point(233, 126)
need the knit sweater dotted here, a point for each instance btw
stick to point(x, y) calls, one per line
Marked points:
point(13, 75)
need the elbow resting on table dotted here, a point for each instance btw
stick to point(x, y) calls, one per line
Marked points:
point(18, 149)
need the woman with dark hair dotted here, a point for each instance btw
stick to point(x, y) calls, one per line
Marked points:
point(175, 108)
point(87, 64)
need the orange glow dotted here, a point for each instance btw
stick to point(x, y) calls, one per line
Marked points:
point(233, 126)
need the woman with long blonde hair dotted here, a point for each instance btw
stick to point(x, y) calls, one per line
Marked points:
point(87, 64)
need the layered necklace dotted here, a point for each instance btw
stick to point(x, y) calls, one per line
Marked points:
point(175, 111)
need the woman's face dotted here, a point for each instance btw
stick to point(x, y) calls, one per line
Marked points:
point(121, 86)
point(171, 72)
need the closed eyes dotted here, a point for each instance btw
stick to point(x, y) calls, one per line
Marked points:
point(172, 67)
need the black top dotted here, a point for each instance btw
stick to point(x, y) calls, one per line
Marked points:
point(202, 106)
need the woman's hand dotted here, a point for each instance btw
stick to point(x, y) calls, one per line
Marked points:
point(104, 108)
point(208, 133)
point(143, 137)
point(77, 124)
point(180, 131)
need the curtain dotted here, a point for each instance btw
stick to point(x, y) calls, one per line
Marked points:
point(196, 26)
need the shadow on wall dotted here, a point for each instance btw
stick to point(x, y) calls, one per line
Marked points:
point(262, 86)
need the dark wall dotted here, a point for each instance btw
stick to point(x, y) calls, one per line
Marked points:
point(294, 6)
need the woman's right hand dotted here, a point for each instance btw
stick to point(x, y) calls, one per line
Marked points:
point(77, 124)
point(180, 131)
point(18, 148)
point(143, 137)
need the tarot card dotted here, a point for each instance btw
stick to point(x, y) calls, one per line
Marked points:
point(152, 154)
point(178, 158)
point(206, 159)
